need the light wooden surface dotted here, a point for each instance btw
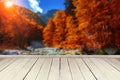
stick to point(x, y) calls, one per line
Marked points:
point(60, 67)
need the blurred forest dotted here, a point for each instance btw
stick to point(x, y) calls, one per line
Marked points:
point(85, 24)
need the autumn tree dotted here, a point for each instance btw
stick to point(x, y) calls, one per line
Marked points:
point(60, 25)
point(48, 33)
point(99, 20)
point(105, 22)
point(72, 37)
point(92, 24)
point(83, 20)
point(115, 22)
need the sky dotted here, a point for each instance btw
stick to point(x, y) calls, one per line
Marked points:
point(42, 6)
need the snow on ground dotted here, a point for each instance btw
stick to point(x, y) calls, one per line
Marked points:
point(11, 52)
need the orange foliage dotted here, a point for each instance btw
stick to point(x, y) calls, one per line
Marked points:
point(18, 29)
point(91, 23)
point(48, 33)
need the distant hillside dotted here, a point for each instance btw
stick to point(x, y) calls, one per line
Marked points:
point(29, 14)
point(19, 26)
point(49, 14)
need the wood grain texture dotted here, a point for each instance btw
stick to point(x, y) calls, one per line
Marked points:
point(45, 70)
point(75, 71)
point(35, 70)
point(85, 70)
point(55, 69)
point(60, 68)
point(65, 73)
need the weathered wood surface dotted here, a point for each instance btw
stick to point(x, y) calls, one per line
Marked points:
point(60, 67)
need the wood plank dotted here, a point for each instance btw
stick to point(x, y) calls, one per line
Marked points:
point(85, 70)
point(114, 62)
point(109, 69)
point(76, 72)
point(65, 73)
point(25, 69)
point(60, 68)
point(2, 59)
point(106, 69)
point(118, 59)
point(13, 69)
point(96, 70)
point(35, 70)
point(45, 70)
point(5, 63)
point(54, 72)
